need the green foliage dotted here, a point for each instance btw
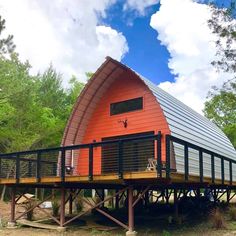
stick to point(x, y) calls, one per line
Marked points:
point(221, 108)
point(6, 44)
point(55, 208)
point(223, 25)
point(165, 233)
point(33, 109)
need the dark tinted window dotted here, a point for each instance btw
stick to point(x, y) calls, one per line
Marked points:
point(126, 106)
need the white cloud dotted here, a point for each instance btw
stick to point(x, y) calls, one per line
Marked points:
point(182, 28)
point(139, 5)
point(67, 33)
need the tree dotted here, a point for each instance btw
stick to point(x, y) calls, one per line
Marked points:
point(221, 109)
point(223, 25)
point(221, 104)
point(6, 44)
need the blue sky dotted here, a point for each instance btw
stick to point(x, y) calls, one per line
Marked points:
point(146, 54)
point(167, 41)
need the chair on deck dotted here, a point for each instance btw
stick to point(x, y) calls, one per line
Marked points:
point(152, 163)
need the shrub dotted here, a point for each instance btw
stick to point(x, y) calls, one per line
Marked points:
point(232, 213)
point(79, 205)
point(165, 233)
point(217, 219)
point(55, 208)
point(28, 206)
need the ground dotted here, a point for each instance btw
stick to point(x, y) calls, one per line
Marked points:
point(146, 224)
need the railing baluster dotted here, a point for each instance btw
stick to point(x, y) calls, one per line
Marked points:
point(90, 162)
point(230, 173)
point(167, 156)
point(212, 169)
point(222, 171)
point(159, 161)
point(120, 159)
point(29, 168)
point(201, 165)
point(186, 165)
point(54, 169)
point(38, 167)
point(17, 168)
point(63, 163)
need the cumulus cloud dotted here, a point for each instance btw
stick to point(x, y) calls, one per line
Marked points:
point(68, 34)
point(182, 27)
point(139, 6)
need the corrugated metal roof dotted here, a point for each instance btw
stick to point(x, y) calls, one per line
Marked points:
point(188, 125)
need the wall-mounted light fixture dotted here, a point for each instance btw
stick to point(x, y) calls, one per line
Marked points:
point(125, 122)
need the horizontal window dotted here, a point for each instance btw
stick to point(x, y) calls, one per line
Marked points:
point(126, 106)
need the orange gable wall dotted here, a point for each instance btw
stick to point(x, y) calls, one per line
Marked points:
point(101, 124)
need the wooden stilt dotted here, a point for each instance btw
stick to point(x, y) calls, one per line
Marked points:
point(176, 205)
point(12, 222)
point(62, 208)
point(131, 231)
point(70, 203)
point(117, 201)
point(13, 204)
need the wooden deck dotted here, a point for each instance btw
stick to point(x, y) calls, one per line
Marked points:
point(144, 176)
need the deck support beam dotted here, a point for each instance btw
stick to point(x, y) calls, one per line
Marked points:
point(176, 204)
point(131, 204)
point(12, 222)
point(62, 207)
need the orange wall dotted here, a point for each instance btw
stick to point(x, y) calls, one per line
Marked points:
point(101, 124)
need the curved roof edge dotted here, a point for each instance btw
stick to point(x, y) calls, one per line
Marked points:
point(183, 121)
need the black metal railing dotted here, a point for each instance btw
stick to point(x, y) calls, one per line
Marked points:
point(201, 151)
point(111, 157)
point(120, 156)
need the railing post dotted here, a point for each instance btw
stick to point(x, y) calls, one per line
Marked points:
point(38, 167)
point(90, 162)
point(120, 159)
point(17, 168)
point(222, 171)
point(201, 165)
point(159, 162)
point(63, 163)
point(212, 169)
point(230, 173)
point(167, 156)
point(186, 165)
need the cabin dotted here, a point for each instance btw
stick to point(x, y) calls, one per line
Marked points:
point(117, 103)
point(127, 135)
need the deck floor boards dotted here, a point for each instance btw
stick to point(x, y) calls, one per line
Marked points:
point(114, 179)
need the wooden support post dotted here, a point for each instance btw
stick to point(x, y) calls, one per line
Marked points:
point(198, 193)
point(70, 203)
point(12, 223)
point(228, 191)
point(146, 199)
point(131, 231)
point(167, 196)
point(176, 205)
point(103, 196)
point(62, 207)
point(117, 200)
point(13, 204)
